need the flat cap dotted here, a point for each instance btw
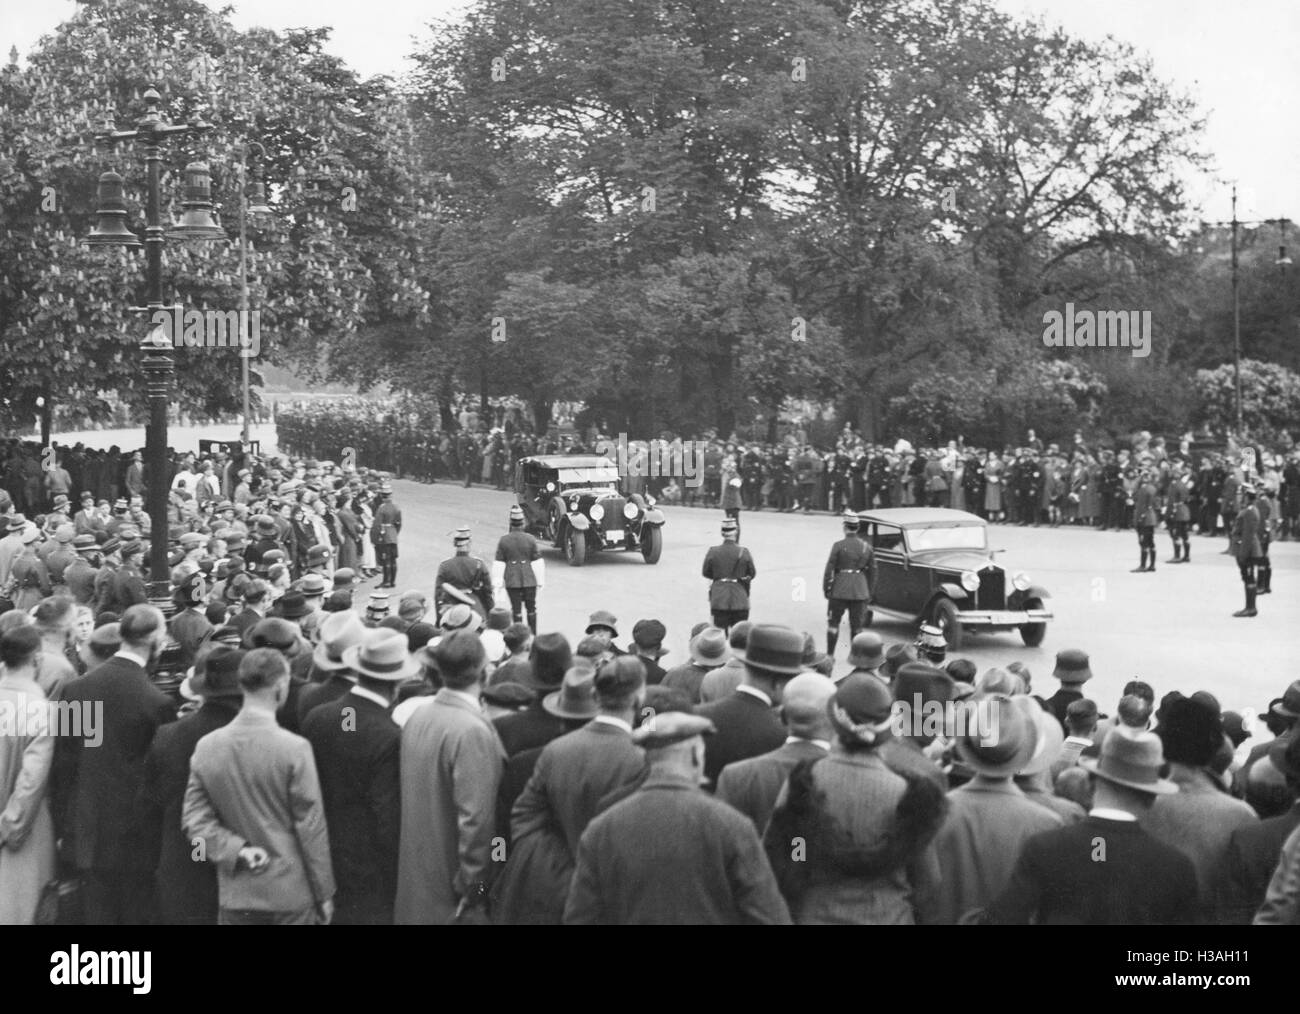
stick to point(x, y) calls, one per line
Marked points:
point(669, 727)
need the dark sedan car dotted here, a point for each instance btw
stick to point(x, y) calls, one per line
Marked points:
point(574, 502)
point(931, 564)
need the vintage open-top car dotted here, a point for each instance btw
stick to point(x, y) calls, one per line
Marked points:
point(933, 565)
point(574, 502)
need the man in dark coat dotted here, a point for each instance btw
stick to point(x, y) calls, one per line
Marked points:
point(96, 788)
point(730, 568)
point(1178, 514)
point(1254, 849)
point(520, 569)
point(383, 533)
point(330, 676)
point(745, 722)
point(752, 785)
point(1144, 521)
point(846, 584)
point(1060, 877)
point(1073, 670)
point(1245, 546)
point(463, 579)
point(668, 853)
point(357, 747)
point(534, 726)
point(187, 889)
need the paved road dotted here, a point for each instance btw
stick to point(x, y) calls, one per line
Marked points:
point(1173, 628)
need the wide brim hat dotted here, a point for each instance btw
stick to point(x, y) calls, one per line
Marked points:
point(336, 634)
point(382, 655)
point(708, 648)
point(85, 544)
point(773, 649)
point(292, 606)
point(17, 522)
point(1014, 740)
point(602, 619)
point(1289, 705)
point(1132, 760)
point(219, 678)
point(1047, 747)
point(30, 535)
point(576, 698)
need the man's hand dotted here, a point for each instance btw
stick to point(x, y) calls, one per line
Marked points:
point(255, 858)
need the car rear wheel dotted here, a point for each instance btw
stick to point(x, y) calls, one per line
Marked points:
point(575, 547)
point(1032, 633)
point(652, 543)
point(944, 616)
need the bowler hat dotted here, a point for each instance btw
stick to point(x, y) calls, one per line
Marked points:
point(1072, 666)
point(345, 577)
point(576, 697)
point(381, 655)
point(1131, 758)
point(292, 606)
point(336, 633)
point(773, 649)
point(549, 657)
point(1289, 705)
point(508, 695)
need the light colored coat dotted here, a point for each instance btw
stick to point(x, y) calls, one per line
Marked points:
point(26, 831)
point(452, 762)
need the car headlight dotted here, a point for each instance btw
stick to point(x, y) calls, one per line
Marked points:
point(550, 487)
point(629, 510)
point(597, 512)
point(970, 580)
point(1020, 582)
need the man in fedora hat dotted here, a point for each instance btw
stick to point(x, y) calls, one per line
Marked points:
point(11, 545)
point(128, 580)
point(80, 575)
point(1258, 780)
point(708, 651)
point(570, 778)
point(187, 890)
point(989, 819)
point(722, 681)
point(730, 568)
point(256, 604)
point(254, 802)
point(451, 764)
point(919, 689)
point(387, 526)
point(463, 578)
point(1106, 870)
point(1073, 670)
point(535, 726)
point(752, 785)
point(357, 747)
point(669, 854)
point(1253, 849)
point(519, 569)
point(1200, 817)
point(846, 583)
point(329, 676)
point(746, 722)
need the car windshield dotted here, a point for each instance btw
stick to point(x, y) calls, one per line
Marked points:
point(946, 537)
point(600, 475)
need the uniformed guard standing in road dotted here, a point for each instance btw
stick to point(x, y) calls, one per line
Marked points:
point(384, 533)
point(463, 579)
point(1144, 520)
point(847, 584)
point(519, 569)
point(730, 567)
point(1267, 520)
point(1178, 514)
point(1245, 546)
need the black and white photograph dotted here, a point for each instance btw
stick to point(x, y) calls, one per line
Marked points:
point(660, 463)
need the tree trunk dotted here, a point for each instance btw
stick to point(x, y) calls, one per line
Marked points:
point(542, 415)
point(47, 414)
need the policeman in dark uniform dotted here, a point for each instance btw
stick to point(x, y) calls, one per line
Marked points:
point(730, 567)
point(1112, 493)
point(846, 583)
point(1246, 547)
point(1144, 521)
point(1029, 492)
point(463, 579)
point(519, 568)
point(878, 480)
point(1178, 513)
point(1267, 517)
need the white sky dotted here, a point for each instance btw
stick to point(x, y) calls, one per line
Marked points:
point(1238, 59)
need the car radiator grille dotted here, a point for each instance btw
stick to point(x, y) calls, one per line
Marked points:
point(613, 521)
point(992, 593)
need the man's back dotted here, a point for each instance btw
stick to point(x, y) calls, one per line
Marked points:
point(669, 854)
point(1253, 854)
point(1099, 872)
point(746, 727)
point(261, 784)
point(752, 785)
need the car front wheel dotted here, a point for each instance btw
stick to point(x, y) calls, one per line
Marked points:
point(944, 616)
point(1032, 633)
point(652, 543)
point(575, 547)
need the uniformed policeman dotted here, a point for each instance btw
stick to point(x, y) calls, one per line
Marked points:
point(1144, 521)
point(730, 567)
point(846, 583)
point(1178, 514)
point(1245, 546)
point(519, 568)
point(463, 579)
point(1267, 520)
